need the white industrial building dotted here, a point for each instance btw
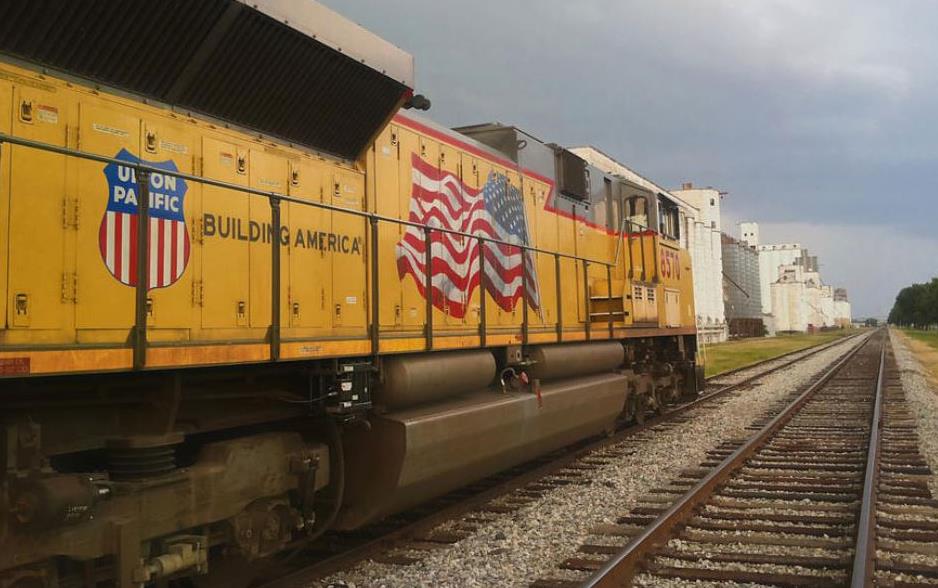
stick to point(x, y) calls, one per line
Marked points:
point(706, 250)
point(788, 297)
point(842, 311)
point(700, 218)
point(742, 293)
point(771, 258)
point(794, 298)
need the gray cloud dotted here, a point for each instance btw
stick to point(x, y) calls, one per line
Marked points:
point(809, 113)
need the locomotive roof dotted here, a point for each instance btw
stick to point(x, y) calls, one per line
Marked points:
point(292, 69)
point(456, 135)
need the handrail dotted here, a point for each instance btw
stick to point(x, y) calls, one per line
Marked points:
point(143, 170)
point(139, 166)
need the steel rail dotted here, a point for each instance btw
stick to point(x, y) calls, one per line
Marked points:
point(338, 562)
point(622, 567)
point(865, 549)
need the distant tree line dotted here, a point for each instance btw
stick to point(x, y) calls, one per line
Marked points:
point(916, 306)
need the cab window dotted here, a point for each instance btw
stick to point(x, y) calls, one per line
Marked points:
point(669, 223)
point(636, 211)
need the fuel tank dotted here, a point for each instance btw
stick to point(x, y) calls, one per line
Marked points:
point(553, 362)
point(411, 455)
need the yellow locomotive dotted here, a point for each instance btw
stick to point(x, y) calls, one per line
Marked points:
point(242, 292)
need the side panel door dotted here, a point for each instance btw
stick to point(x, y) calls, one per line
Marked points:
point(672, 299)
point(172, 302)
point(639, 310)
point(412, 301)
point(494, 314)
point(310, 267)
point(429, 151)
point(543, 231)
point(389, 202)
point(38, 195)
point(458, 296)
point(6, 119)
point(651, 303)
point(580, 240)
point(470, 177)
point(106, 257)
point(225, 257)
point(268, 173)
point(515, 315)
point(346, 245)
point(569, 268)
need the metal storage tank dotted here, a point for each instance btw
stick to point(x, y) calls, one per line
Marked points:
point(704, 230)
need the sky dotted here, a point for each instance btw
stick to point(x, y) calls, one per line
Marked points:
point(819, 119)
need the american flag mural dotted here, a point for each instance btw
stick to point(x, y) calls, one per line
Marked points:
point(168, 236)
point(440, 199)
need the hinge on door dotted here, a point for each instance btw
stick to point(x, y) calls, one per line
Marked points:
point(70, 210)
point(71, 136)
point(197, 292)
point(70, 287)
point(196, 165)
point(198, 230)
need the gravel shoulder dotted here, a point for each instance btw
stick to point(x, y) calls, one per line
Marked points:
point(519, 548)
point(922, 395)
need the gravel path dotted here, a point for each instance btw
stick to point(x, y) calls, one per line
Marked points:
point(923, 403)
point(519, 548)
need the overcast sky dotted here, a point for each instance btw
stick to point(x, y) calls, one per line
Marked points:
point(819, 118)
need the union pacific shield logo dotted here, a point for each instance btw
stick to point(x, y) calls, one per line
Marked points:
point(169, 239)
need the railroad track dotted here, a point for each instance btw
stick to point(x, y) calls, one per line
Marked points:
point(903, 514)
point(830, 491)
point(393, 541)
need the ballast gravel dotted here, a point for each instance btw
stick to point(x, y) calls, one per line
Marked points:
point(923, 403)
point(520, 547)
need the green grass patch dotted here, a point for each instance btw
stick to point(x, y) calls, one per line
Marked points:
point(724, 357)
point(928, 337)
point(924, 345)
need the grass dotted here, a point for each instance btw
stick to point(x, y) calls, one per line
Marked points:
point(723, 357)
point(924, 345)
point(928, 337)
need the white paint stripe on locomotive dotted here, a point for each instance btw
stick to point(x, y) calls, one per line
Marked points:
point(471, 265)
point(438, 251)
point(470, 225)
point(479, 214)
point(154, 251)
point(439, 280)
point(180, 249)
point(125, 248)
point(167, 251)
point(453, 188)
point(109, 242)
point(431, 185)
point(491, 273)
